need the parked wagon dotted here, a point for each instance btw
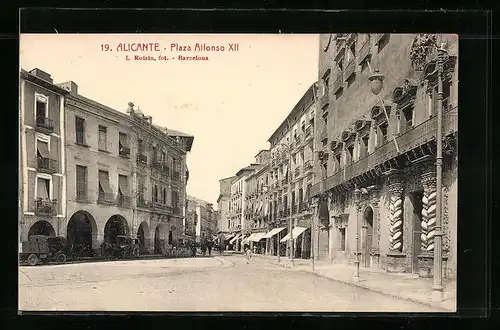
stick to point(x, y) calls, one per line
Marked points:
point(45, 248)
point(123, 247)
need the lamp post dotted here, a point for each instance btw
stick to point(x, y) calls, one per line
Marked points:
point(423, 47)
point(357, 193)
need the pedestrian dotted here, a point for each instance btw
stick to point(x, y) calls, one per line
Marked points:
point(248, 253)
point(210, 248)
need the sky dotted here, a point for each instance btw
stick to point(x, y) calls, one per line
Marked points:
point(231, 103)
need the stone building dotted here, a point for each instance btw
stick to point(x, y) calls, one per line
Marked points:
point(223, 204)
point(376, 152)
point(205, 218)
point(124, 175)
point(42, 185)
point(290, 178)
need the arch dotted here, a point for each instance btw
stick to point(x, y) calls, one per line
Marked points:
point(159, 238)
point(42, 227)
point(143, 236)
point(368, 216)
point(324, 213)
point(82, 231)
point(115, 226)
point(170, 237)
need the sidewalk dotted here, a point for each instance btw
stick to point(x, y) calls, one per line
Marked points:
point(403, 286)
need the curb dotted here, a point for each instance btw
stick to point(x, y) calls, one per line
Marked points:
point(359, 285)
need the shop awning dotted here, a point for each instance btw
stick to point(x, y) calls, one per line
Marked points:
point(227, 236)
point(234, 239)
point(296, 233)
point(256, 237)
point(273, 232)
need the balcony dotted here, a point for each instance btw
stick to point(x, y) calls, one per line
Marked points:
point(365, 50)
point(106, 199)
point(411, 139)
point(160, 207)
point(46, 207)
point(338, 83)
point(124, 152)
point(142, 159)
point(124, 201)
point(350, 69)
point(142, 202)
point(44, 124)
point(156, 164)
point(46, 165)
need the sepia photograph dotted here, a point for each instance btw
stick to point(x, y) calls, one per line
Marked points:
point(238, 172)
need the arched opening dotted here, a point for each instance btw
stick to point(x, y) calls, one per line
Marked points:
point(143, 236)
point(41, 227)
point(324, 214)
point(115, 226)
point(158, 244)
point(170, 237)
point(82, 233)
point(368, 220)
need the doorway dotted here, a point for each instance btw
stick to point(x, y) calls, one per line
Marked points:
point(368, 217)
point(416, 201)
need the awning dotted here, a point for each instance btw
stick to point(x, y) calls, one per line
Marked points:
point(43, 149)
point(227, 236)
point(273, 232)
point(104, 182)
point(234, 239)
point(256, 237)
point(296, 233)
point(245, 240)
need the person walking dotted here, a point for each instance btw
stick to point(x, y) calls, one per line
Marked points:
point(209, 245)
point(248, 253)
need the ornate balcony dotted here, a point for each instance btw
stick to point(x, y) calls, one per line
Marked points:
point(142, 159)
point(142, 202)
point(46, 207)
point(46, 165)
point(338, 83)
point(160, 207)
point(123, 201)
point(350, 69)
point(44, 124)
point(106, 199)
point(410, 140)
point(156, 164)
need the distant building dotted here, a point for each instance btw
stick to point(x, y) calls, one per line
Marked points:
point(223, 204)
point(206, 221)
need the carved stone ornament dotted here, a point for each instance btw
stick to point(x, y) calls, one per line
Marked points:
point(422, 49)
point(405, 94)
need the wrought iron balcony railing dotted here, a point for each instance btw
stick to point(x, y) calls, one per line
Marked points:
point(407, 141)
point(142, 159)
point(46, 165)
point(45, 124)
point(106, 199)
point(47, 207)
point(123, 201)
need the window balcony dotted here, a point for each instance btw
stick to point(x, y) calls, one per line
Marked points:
point(124, 152)
point(160, 207)
point(124, 201)
point(45, 207)
point(46, 165)
point(106, 199)
point(156, 164)
point(44, 124)
point(142, 159)
point(339, 82)
point(142, 202)
point(350, 69)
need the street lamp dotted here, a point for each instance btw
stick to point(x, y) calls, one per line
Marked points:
point(357, 194)
point(423, 46)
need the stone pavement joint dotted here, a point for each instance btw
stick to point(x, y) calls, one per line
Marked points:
point(402, 286)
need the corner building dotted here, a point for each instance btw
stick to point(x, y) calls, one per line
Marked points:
point(383, 146)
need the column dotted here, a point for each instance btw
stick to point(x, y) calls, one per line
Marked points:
point(374, 202)
point(396, 257)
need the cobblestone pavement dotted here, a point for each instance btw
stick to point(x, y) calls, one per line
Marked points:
point(224, 283)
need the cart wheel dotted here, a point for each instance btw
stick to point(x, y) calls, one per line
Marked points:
point(61, 258)
point(32, 260)
point(135, 251)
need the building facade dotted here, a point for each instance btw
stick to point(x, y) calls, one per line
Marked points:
point(206, 218)
point(376, 182)
point(42, 185)
point(124, 176)
point(223, 204)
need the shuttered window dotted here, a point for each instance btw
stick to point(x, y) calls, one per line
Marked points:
point(80, 130)
point(123, 188)
point(103, 138)
point(104, 186)
point(81, 182)
point(43, 188)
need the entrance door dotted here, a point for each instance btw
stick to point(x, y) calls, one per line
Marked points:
point(416, 200)
point(368, 216)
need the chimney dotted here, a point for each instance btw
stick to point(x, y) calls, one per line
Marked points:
point(70, 86)
point(41, 74)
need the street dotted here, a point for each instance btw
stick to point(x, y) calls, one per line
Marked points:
point(225, 283)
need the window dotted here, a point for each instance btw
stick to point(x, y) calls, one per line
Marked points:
point(42, 149)
point(105, 192)
point(123, 185)
point(364, 146)
point(81, 183)
point(350, 154)
point(446, 95)
point(351, 79)
point(155, 154)
point(41, 107)
point(155, 193)
point(164, 196)
point(123, 146)
point(339, 93)
point(163, 156)
point(383, 134)
point(342, 239)
point(340, 63)
point(140, 147)
point(103, 138)
point(43, 188)
point(383, 41)
point(408, 116)
point(80, 130)
point(338, 161)
point(352, 50)
point(301, 198)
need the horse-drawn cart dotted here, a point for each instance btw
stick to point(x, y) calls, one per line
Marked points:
point(45, 249)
